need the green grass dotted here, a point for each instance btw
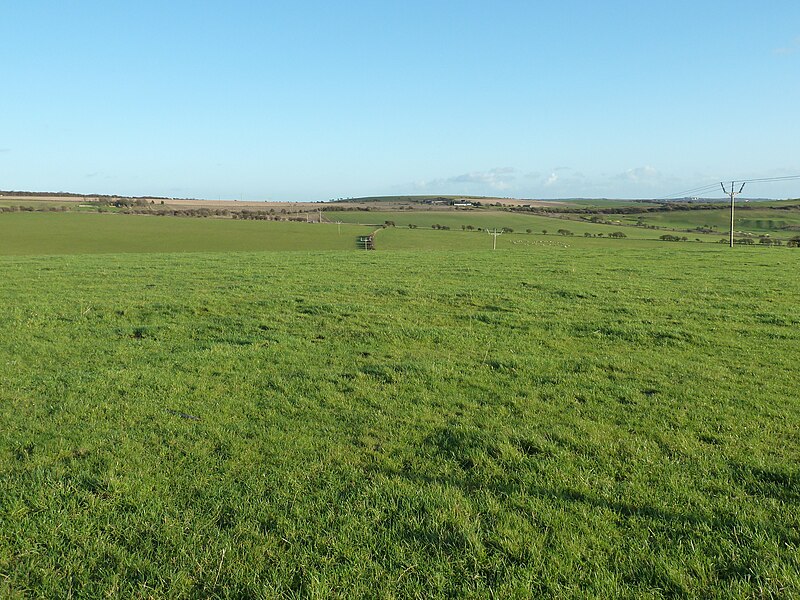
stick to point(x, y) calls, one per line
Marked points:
point(606, 203)
point(489, 219)
point(74, 233)
point(399, 238)
point(598, 420)
point(753, 219)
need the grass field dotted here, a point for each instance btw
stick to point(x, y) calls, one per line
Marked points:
point(29, 233)
point(489, 219)
point(754, 220)
point(392, 239)
point(73, 233)
point(609, 420)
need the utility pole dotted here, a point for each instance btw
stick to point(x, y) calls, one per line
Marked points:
point(733, 195)
point(494, 233)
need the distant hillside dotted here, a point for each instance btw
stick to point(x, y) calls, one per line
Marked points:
point(421, 199)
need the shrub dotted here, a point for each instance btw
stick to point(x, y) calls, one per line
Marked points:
point(564, 232)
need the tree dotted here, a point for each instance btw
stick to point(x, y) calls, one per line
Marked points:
point(564, 232)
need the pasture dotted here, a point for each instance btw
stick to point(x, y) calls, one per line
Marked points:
point(491, 219)
point(755, 218)
point(595, 418)
point(92, 233)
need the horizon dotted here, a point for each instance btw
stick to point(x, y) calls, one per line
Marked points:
point(41, 195)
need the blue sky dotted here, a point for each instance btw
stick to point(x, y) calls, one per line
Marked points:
point(319, 100)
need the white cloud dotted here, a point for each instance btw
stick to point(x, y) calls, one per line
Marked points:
point(791, 48)
point(646, 174)
point(499, 178)
point(644, 181)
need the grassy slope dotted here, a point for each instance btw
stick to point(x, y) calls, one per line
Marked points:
point(495, 219)
point(398, 238)
point(753, 220)
point(73, 233)
point(547, 421)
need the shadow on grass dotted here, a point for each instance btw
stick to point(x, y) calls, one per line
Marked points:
point(501, 466)
point(655, 536)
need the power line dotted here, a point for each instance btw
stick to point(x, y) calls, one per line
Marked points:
point(709, 187)
point(698, 190)
point(786, 178)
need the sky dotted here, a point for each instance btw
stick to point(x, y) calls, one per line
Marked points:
point(309, 101)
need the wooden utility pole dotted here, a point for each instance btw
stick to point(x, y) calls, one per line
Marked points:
point(494, 233)
point(733, 195)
